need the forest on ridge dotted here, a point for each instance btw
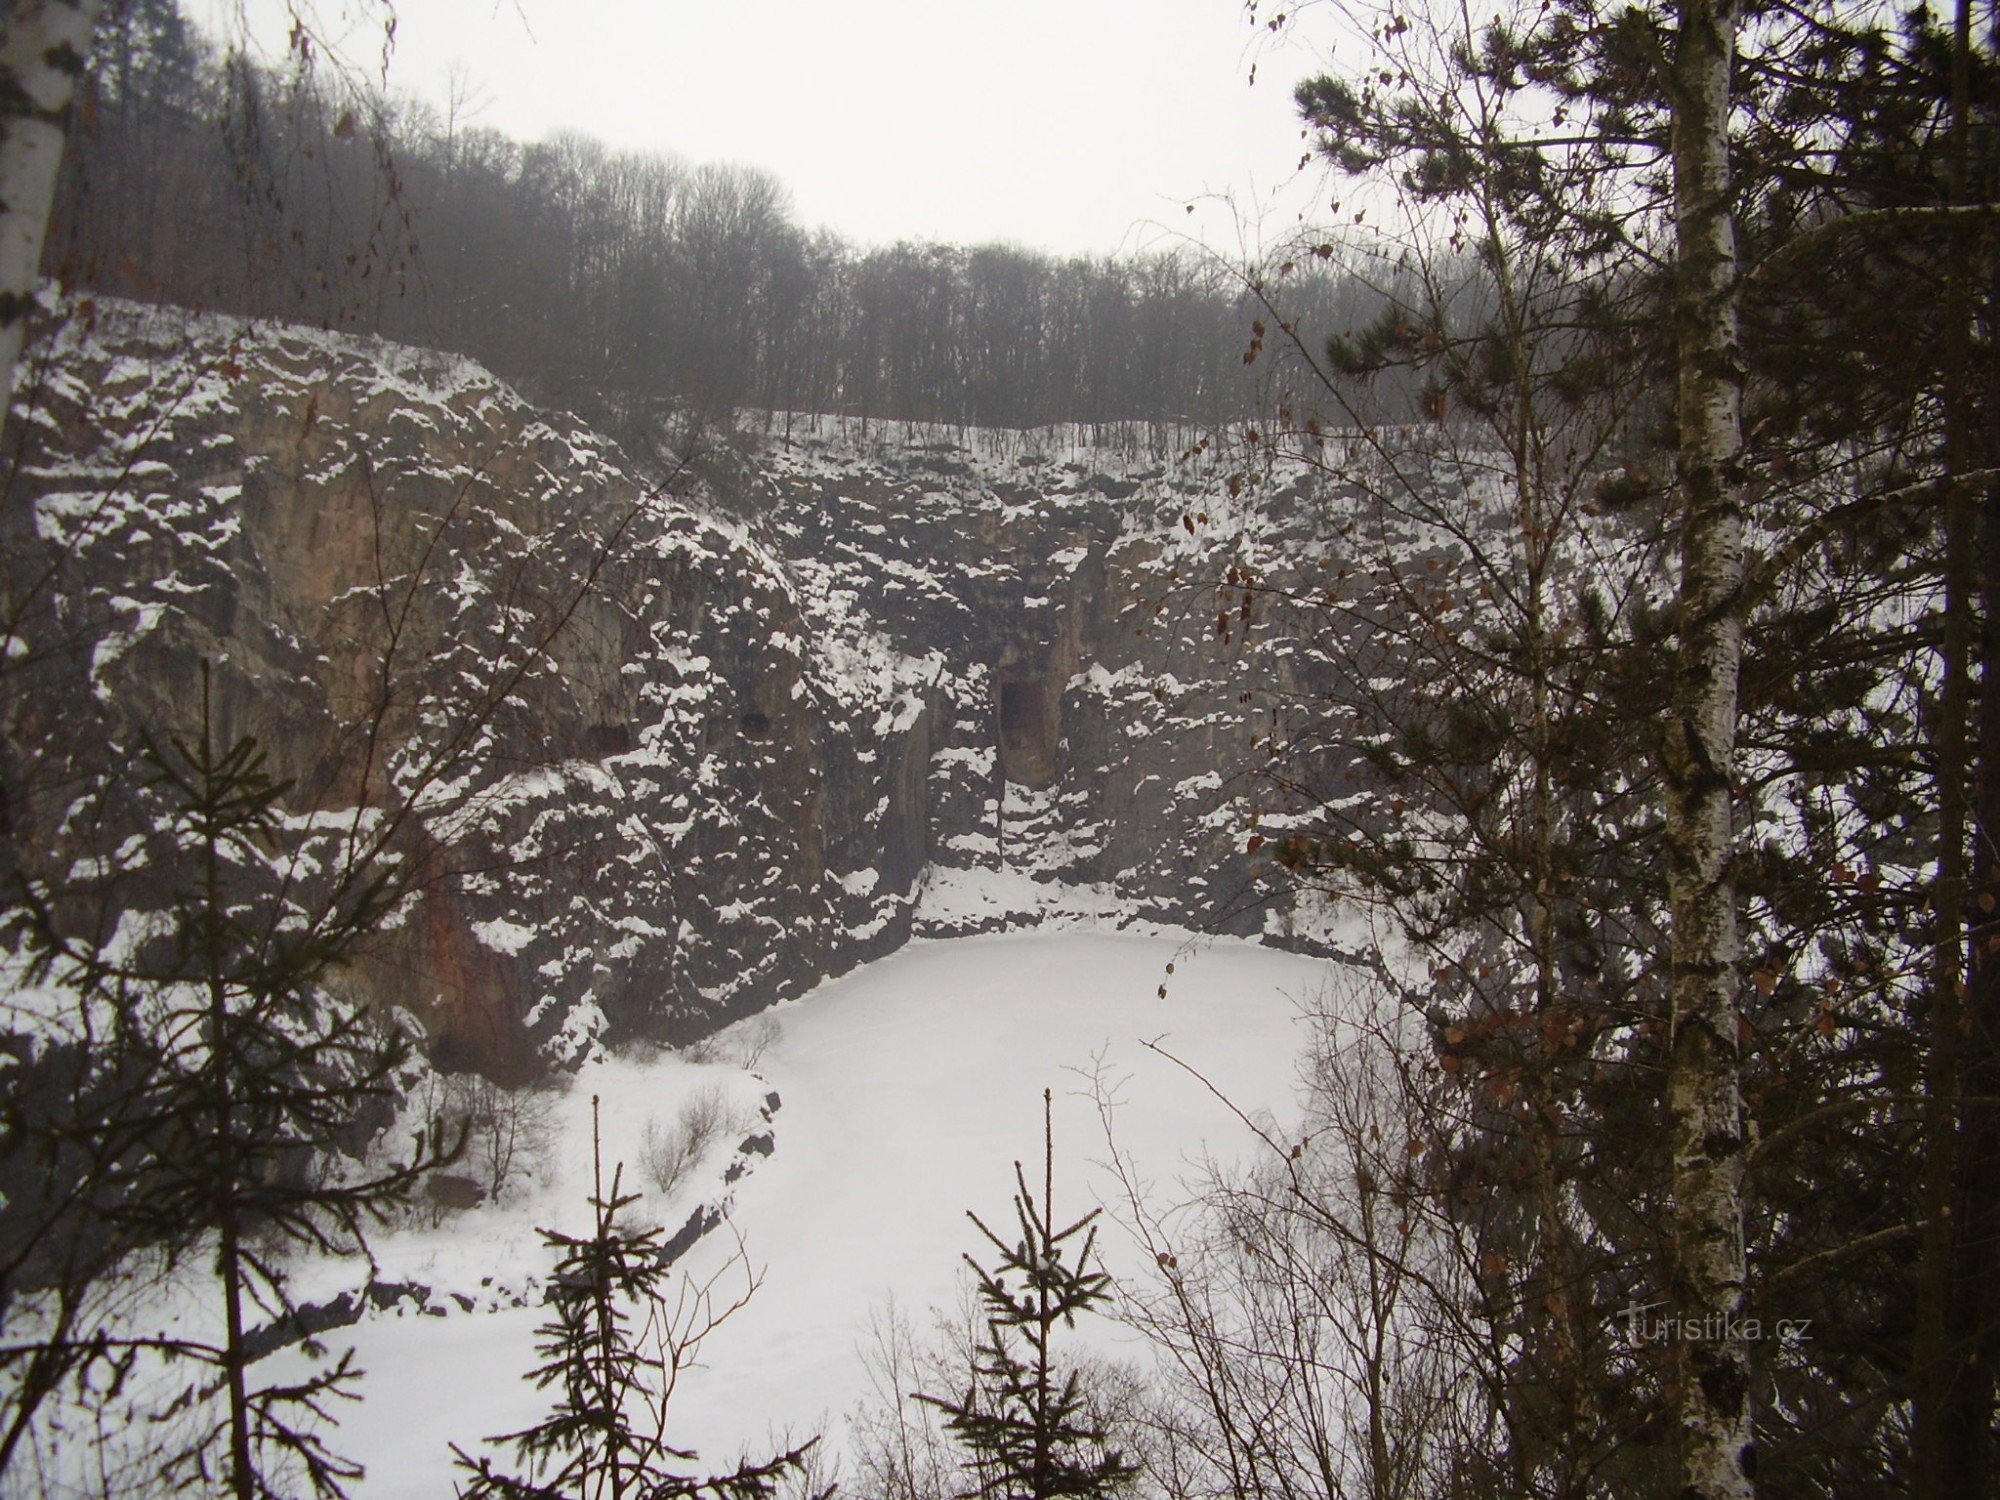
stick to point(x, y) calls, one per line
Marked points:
point(200, 178)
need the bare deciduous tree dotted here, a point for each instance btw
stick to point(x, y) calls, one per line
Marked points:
point(672, 1151)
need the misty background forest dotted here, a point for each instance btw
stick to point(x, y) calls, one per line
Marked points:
point(611, 276)
point(650, 852)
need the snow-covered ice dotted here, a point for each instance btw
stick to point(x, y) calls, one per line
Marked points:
point(908, 1088)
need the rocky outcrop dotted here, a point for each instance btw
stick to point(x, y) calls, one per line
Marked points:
point(663, 754)
point(1090, 720)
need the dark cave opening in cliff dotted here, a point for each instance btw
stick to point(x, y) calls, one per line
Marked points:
point(1020, 714)
point(1027, 733)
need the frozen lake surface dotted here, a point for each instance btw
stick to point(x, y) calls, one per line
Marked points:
point(907, 1089)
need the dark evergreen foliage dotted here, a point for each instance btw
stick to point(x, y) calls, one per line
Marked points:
point(1412, 772)
point(222, 1078)
point(611, 1351)
point(1021, 1416)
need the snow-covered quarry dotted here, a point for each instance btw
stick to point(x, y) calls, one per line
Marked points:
point(968, 710)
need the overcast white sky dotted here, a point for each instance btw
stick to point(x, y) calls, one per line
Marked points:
point(1067, 125)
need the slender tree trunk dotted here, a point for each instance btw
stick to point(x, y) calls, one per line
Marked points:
point(1942, 1338)
point(1712, 1385)
point(1968, 1452)
point(222, 1082)
point(235, 1360)
point(1042, 1484)
point(1969, 1459)
point(43, 45)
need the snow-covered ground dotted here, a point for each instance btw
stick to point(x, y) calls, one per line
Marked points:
point(907, 1090)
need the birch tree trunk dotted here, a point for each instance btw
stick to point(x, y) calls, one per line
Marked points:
point(1712, 1388)
point(43, 47)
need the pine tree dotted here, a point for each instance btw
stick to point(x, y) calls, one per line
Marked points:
point(1021, 1418)
point(611, 1351)
point(1474, 753)
point(260, 1074)
point(1818, 136)
point(223, 1073)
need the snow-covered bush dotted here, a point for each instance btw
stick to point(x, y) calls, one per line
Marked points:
point(672, 1150)
point(749, 1042)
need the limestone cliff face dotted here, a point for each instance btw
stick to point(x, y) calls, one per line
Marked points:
point(1091, 722)
point(665, 756)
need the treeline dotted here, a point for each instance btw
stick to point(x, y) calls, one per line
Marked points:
point(202, 179)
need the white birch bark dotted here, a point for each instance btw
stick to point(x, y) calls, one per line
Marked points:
point(43, 46)
point(1712, 1388)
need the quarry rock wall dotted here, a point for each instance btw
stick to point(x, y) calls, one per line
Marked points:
point(674, 747)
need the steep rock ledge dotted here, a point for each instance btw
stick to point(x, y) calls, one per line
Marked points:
point(754, 751)
point(1092, 721)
